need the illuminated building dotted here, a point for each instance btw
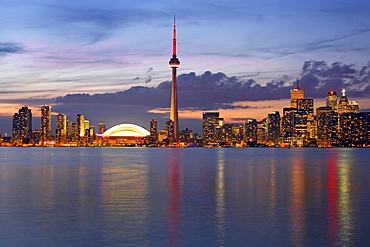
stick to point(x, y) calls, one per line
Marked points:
point(101, 128)
point(45, 124)
point(261, 132)
point(80, 125)
point(250, 132)
point(86, 126)
point(90, 134)
point(332, 100)
point(153, 131)
point(347, 106)
point(170, 130)
point(327, 127)
point(303, 117)
point(354, 129)
point(212, 131)
point(295, 94)
point(125, 134)
point(287, 122)
point(174, 64)
point(22, 125)
point(61, 129)
point(186, 136)
point(273, 127)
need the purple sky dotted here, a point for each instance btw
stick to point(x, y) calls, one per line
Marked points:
point(52, 48)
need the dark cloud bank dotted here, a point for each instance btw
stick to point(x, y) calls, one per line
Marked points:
point(213, 91)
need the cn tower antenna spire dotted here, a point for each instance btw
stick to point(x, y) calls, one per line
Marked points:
point(174, 55)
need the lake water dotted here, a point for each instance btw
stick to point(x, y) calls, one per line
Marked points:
point(184, 197)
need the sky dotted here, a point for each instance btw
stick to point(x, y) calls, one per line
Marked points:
point(108, 60)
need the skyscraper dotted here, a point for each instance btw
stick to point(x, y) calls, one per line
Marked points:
point(295, 94)
point(153, 131)
point(22, 125)
point(211, 124)
point(174, 64)
point(80, 125)
point(332, 100)
point(61, 129)
point(45, 124)
point(273, 127)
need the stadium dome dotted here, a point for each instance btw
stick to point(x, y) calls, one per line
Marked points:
point(126, 130)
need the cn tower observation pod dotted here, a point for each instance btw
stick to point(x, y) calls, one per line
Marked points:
point(126, 130)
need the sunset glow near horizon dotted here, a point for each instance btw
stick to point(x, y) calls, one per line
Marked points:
point(52, 48)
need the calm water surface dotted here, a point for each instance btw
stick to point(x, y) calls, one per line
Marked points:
point(184, 197)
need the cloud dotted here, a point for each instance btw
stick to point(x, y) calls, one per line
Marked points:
point(213, 91)
point(6, 48)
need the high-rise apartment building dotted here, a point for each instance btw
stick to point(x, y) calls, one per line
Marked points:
point(22, 125)
point(153, 131)
point(61, 129)
point(45, 124)
point(80, 125)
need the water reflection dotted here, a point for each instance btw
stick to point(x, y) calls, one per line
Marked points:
point(297, 199)
point(124, 188)
point(345, 200)
point(174, 198)
point(220, 198)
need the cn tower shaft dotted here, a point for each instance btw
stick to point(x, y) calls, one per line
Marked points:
point(174, 64)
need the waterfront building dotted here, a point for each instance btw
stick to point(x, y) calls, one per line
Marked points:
point(22, 126)
point(327, 128)
point(80, 125)
point(273, 128)
point(354, 129)
point(101, 128)
point(212, 127)
point(250, 132)
point(45, 124)
point(61, 129)
point(153, 139)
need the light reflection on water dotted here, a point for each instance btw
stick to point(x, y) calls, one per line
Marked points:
point(184, 197)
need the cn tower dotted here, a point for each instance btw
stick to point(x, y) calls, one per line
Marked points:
point(174, 64)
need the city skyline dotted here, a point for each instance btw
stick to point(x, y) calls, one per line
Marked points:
point(54, 49)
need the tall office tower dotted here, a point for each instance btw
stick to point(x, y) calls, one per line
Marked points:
point(327, 128)
point(212, 124)
point(174, 64)
point(303, 116)
point(169, 128)
point(45, 124)
point(69, 131)
point(86, 126)
point(153, 131)
point(80, 125)
point(332, 100)
point(354, 129)
point(22, 125)
point(273, 127)
point(61, 129)
point(101, 128)
point(288, 122)
point(250, 132)
point(90, 134)
point(295, 94)
point(343, 105)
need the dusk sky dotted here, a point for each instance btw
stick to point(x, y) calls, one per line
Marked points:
point(119, 50)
